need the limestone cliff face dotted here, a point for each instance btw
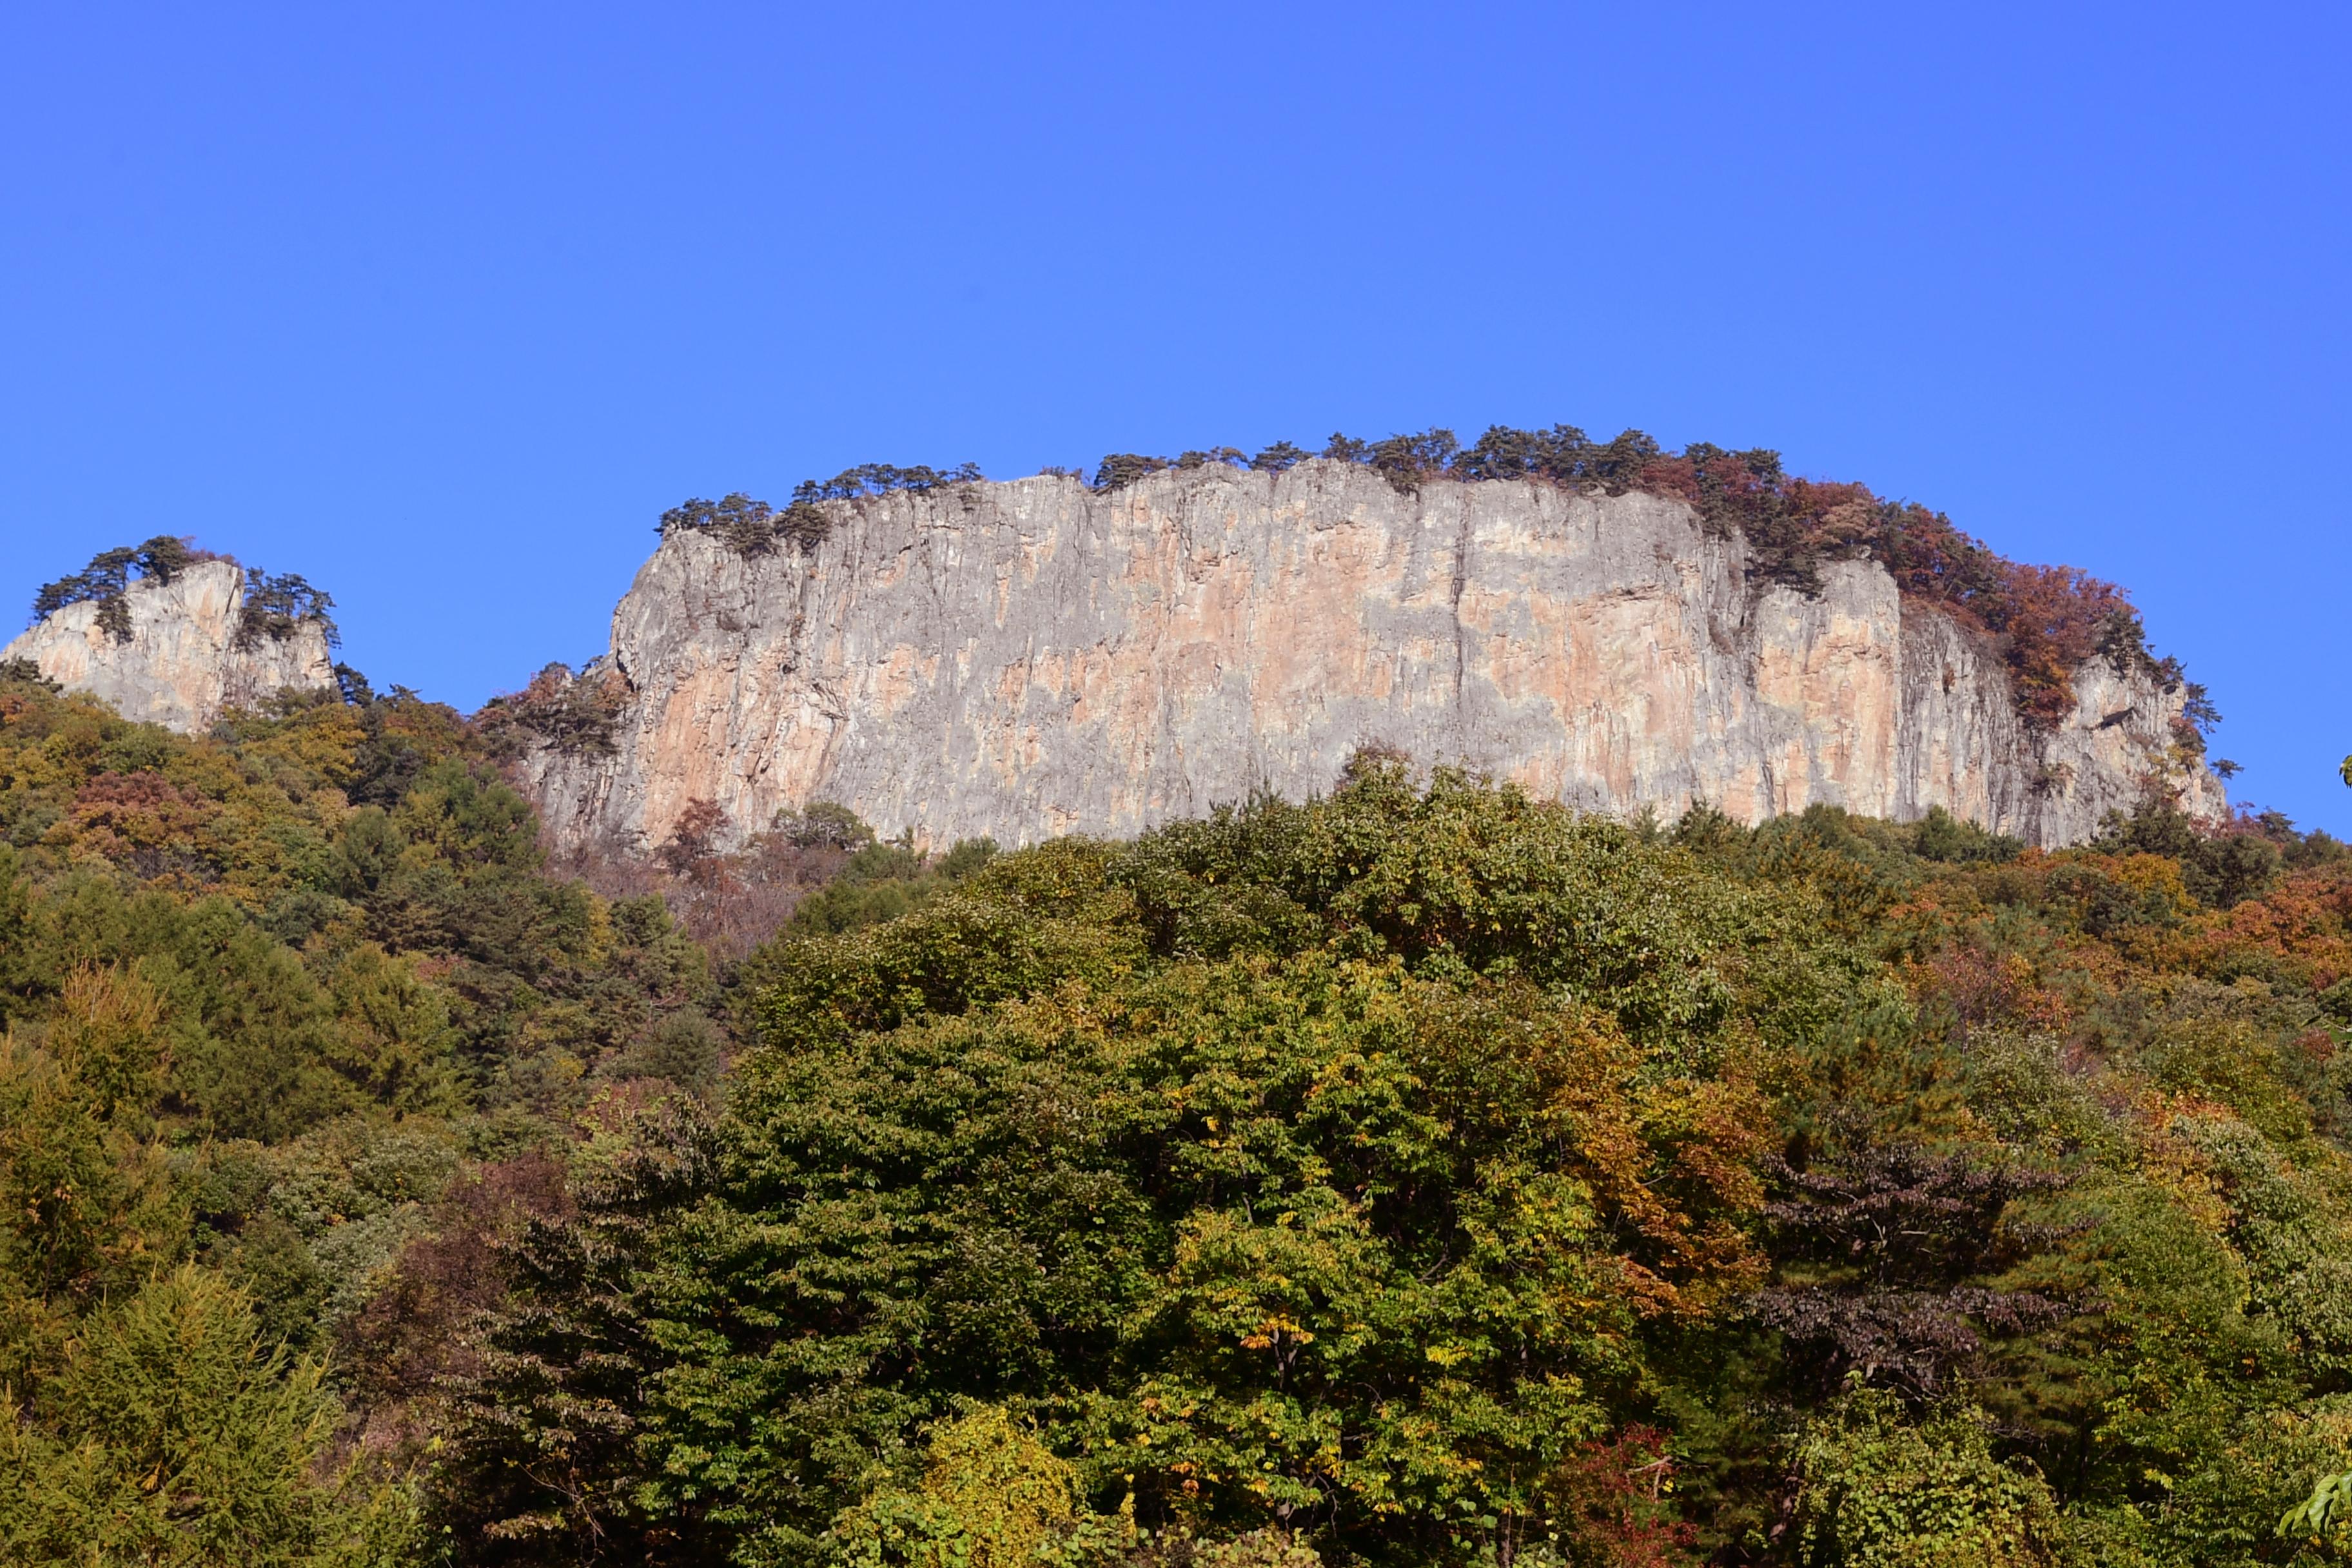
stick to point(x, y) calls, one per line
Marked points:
point(1032, 659)
point(182, 664)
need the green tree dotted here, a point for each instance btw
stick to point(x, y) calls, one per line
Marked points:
point(174, 1437)
point(1356, 1227)
point(992, 1496)
point(1879, 1491)
point(86, 1200)
point(546, 1439)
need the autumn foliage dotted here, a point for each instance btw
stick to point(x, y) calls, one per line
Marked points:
point(1419, 1174)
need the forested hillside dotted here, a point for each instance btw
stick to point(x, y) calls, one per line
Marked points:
point(1422, 1174)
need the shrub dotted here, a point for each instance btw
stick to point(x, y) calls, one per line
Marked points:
point(1119, 469)
point(992, 1496)
point(1879, 1492)
point(1224, 456)
point(823, 825)
point(747, 526)
point(275, 607)
point(574, 715)
point(750, 526)
point(26, 671)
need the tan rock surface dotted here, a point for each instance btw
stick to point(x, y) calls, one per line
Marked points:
point(182, 665)
point(1032, 659)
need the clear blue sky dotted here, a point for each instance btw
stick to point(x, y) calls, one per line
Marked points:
point(440, 305)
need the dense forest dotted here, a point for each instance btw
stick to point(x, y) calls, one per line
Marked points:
point(1422, 1174)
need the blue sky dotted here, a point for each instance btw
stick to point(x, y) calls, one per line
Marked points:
point(441, 305)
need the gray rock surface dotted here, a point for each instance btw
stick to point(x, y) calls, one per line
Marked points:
point(182, 664)
point(1032, 659)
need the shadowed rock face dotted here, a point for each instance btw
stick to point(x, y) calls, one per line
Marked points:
point(182, 665)
point(1032, 659)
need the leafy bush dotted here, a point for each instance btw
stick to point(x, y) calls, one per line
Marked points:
point(1880, 1492)
point(1889, 1257)
point(573, 715)
point(823, 825)
point(992, 1496)
point(1119, 469)
point(753, 527)
point(275, 607)
point(25, 672)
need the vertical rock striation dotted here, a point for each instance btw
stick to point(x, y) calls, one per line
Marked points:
point(183, 661)
point(1032, 658)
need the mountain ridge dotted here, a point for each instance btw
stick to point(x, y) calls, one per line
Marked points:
point(1611, 625)
point(1035, 657)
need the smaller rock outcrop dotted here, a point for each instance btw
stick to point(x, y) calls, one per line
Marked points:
point(189, 652)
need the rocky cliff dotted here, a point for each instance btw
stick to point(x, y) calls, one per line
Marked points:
point(183, 661)
point(1035, 658)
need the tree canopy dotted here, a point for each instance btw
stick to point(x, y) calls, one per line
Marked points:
point(1423, 1174)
